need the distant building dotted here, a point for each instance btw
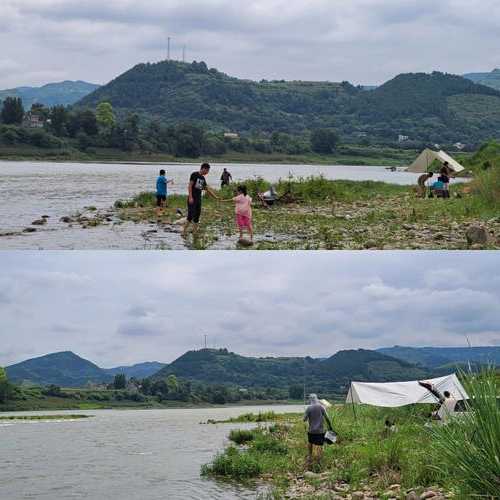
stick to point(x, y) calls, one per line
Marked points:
point(403, 138)
point(459, 146)
point(231, 135)
point(33, 120)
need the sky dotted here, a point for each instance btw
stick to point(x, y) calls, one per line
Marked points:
point(363, 41)
point(117, 308)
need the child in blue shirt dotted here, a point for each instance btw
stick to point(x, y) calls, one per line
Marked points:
point(161, 192)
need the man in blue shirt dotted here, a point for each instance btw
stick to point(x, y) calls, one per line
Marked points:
point(161, 192)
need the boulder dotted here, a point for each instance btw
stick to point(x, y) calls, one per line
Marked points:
point(477, 235)
point(412, 496)
point(29, 230)
point(39, 222)
point(428, 494)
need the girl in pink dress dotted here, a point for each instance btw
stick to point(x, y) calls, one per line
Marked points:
point(243, 205)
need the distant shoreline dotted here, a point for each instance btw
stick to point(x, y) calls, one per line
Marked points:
point(351, 157)
point(178, 406)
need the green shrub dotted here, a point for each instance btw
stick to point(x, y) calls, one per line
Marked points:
point(233, 463)
point(268, 444)
point(241, 436)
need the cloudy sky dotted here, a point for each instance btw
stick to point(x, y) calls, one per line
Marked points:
point(363, 41)
point(119, 308)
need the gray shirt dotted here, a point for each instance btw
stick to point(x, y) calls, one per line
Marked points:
point(315, 414)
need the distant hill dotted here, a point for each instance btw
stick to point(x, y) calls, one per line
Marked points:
point(139, 371)
point(436, 357)
point(62, 368)
point(334, 374)
point(52, 94)
point(428, 108)
point(489, 79)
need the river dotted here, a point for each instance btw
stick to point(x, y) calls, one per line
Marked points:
point(29, 190)
point(119, 454)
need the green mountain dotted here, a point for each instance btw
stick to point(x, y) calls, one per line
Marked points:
point(139, 371)
point(489, 79)
point(64, 93)
point(448, 357)
point(212, 366)
point(428, 108)
point(62, 368)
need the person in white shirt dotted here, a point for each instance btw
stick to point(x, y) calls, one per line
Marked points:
point(447, 401)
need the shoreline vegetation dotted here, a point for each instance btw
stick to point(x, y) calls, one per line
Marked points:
point(354, 155)
point(414, 459)
point(42, 417)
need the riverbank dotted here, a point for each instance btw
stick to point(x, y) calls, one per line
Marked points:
point(30, 402)
point(346, 155)
point(318, 214)
point(414, 458)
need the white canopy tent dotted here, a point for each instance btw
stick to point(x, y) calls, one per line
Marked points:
point(395, 394)
point(424, 161)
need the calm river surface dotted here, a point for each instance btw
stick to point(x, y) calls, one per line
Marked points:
point(29, 190)
point(118, 454)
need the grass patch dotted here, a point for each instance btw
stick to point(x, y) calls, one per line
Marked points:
point(241, 436)
point(235, 464)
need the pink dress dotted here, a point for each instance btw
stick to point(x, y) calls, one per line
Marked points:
point(243, 211)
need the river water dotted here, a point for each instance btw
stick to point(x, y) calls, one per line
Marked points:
point(29, 190)
point(119, 454)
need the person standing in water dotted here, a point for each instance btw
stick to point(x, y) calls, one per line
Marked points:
point(197, 184)
point(225, 178)
point(315, 415)
point(243, 206)
point(161, 192)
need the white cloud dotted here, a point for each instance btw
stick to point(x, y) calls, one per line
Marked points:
point(360, 40)
point(120, 307)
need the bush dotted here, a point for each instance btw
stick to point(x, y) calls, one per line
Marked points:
point(268, 444)
point(233, 463)
point(468, 448)
point(241, 436)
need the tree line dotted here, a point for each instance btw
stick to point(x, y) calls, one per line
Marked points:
point(88, 130)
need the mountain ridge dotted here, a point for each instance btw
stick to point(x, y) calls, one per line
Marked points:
point(432, 107)
point(64, 93)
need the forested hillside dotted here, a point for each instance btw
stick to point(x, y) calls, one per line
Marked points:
point(332, 374)
point(430, 108)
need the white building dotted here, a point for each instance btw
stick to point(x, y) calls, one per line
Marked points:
point(403, 138)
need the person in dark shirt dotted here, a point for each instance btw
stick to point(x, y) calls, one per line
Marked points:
point(445, 179)
point(197, 184)
point(225, 178)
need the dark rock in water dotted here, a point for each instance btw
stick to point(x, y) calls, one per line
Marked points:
point(66, 219)
point(477, 235)
point(45, 216)
point(39, 222)
point(29, 230)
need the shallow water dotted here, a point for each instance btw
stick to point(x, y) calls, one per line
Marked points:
point(122, 454)
point(29, 190)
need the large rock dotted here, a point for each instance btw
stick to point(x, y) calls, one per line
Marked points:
point(477, 235)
